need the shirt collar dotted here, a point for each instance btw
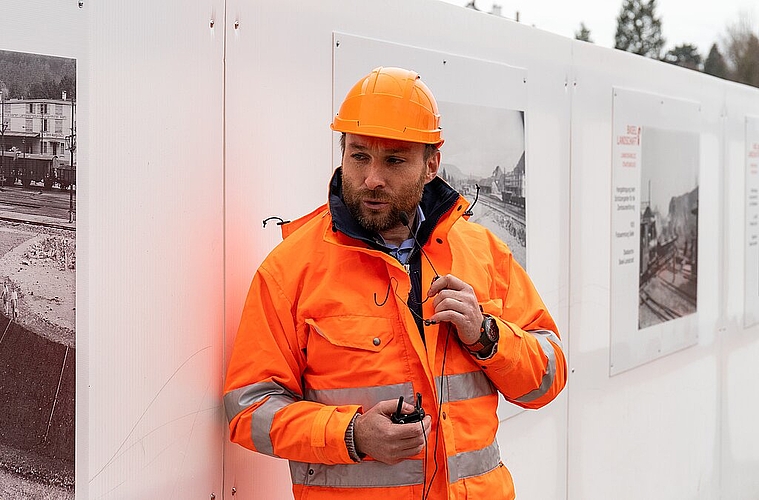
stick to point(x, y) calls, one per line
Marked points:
point(403, 251)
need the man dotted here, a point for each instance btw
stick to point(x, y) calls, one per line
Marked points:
point(14, 303)
point(6, 299)
point(388, 291)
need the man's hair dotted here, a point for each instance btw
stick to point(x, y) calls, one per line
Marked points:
point(429, 149)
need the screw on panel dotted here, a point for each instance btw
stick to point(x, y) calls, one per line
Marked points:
point(213, 497)
point(234, 491)
point(337, 43)
point(211, 23)
point(444, 62)
point(237, 24)
point(81, 3)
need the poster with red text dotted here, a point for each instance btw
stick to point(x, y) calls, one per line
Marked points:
point(654, 227)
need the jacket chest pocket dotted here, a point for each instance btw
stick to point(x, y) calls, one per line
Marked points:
point(346, 350)
point(363, 333)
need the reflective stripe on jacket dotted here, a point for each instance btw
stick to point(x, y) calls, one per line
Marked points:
point(318, 342)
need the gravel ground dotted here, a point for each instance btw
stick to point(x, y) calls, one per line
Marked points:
point(22, 472)
point(14, 487)
point(41, 263)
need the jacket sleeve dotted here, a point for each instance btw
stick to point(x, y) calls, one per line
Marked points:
point(263, 393)
point(529, 366)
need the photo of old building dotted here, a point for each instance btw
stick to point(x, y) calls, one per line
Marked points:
point(484, 159)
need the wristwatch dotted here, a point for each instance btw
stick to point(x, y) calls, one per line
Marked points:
point(488, 335)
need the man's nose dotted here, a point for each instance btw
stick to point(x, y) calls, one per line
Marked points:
point(375, 176)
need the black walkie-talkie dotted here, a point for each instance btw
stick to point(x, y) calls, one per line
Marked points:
point(409, 418)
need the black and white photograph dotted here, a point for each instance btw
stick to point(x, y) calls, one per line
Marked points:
point(668, 273)
point(484, 159)
point(37, 275)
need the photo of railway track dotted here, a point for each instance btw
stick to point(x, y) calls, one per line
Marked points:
point(37, 276)
point(668, 273)
point(484, 159)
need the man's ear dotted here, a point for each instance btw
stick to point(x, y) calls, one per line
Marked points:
point(433, 165)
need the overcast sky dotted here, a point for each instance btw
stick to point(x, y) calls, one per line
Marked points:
point(683, 21)
point(669, 159)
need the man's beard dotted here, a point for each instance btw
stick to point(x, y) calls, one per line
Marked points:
point(406, 200)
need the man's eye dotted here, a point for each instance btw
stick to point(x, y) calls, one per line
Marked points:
point(395, 161)
point(359, 156)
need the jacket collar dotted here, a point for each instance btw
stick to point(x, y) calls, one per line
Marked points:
point(437, 199)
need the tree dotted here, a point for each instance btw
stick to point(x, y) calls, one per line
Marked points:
point(715, 64)
point(639, 29)
point(68, 85)
point(583, 34)
point(36, 76)
point(742, 51)
point(685, 55)
point(747, 67)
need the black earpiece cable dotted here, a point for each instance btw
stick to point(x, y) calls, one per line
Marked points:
point(469, 212)
point(403, 216)
point(427, 488)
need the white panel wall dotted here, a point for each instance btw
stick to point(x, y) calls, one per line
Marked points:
point(154, 272)
point(652, 432)
point(739, 369)
point(678, 427)
point(657, 431)
point(279, 145)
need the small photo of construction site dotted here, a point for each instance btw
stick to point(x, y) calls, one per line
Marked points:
point(668, 275)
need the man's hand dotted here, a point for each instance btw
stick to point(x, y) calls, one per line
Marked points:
point(377, 436)
point(456, 302)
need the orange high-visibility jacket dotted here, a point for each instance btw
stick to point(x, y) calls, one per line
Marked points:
point(318, 342)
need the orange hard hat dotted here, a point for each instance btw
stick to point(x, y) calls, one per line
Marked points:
point(392, 103)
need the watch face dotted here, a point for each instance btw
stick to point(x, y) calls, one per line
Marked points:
point(491, 329)
point(488, 335)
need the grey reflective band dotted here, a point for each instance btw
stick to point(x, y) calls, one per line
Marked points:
point(367, 397)
point(547, 381)
point(452, 388)
point(367, 474)
point(373, 474)
point(549, 335)
point(238, 400)
point(473, 463)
